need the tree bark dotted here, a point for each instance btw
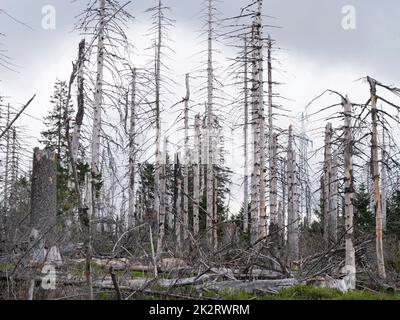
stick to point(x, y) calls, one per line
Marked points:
point(350, 260)
point(196, 176)
point(98, 99)
point(210, 160)
point(132, 155)
point(375, 176)
point(81, 101)
point(245, 131)
point(260, 59)
point(186, 164)
point(293, 214)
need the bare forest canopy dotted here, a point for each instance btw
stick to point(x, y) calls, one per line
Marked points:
point(150, 180)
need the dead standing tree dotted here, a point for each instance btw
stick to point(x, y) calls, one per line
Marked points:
point(293, 209)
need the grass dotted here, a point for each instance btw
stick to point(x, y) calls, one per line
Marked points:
point(394, 263)
point(302, 292)
point(6, 266)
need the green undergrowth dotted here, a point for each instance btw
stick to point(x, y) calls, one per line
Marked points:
point(303, 292)
point(394, 263)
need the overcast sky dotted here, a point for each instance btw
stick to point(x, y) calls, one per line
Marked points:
point(317, 52)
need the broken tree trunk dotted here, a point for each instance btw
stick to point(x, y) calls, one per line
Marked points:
point(375, 177)
point(44, 206)
point(81, 101)
point(350, 259)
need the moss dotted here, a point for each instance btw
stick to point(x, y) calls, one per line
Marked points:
point(106, 296)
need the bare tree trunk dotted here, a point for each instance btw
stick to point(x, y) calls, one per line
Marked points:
point(132, 155)
point(186, 165)
point(6, 176)
point(282, 212)
point(196, 176)
point(293, 214)
point(245, 129)
point(210, 160)
point(161, 220)
point(260, 59)
point(375, 176)
point(44, 206)
point(81, 101)
point(254, 207)
point(350, 260)
point(178, 205)
point(333, 208)
point(327, 180)
point(384, 181)
point(158, 167)
point(98, 97)
point(273, 179)
point(215, 217)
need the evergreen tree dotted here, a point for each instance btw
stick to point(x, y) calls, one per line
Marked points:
point(363, 216)
point(393, 214)
point(54, 138)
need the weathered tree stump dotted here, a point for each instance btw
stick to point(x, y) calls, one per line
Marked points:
point(44, 207)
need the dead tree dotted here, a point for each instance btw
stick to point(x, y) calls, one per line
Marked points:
point(196, 176)
point(384, 180)
point(273, 148)
point(186, 163)
point(163, 193)
point(293, 213)
point(210, 105)
point(255, 177)
point(97, 108)
point(327, 180)
point(333, 200)
point(246, 139)
point(350, 260)
point(44, 206)
point(258, 42)
point(76, 136)
point(178, 205)
point(132, 153)
point(375, 177)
